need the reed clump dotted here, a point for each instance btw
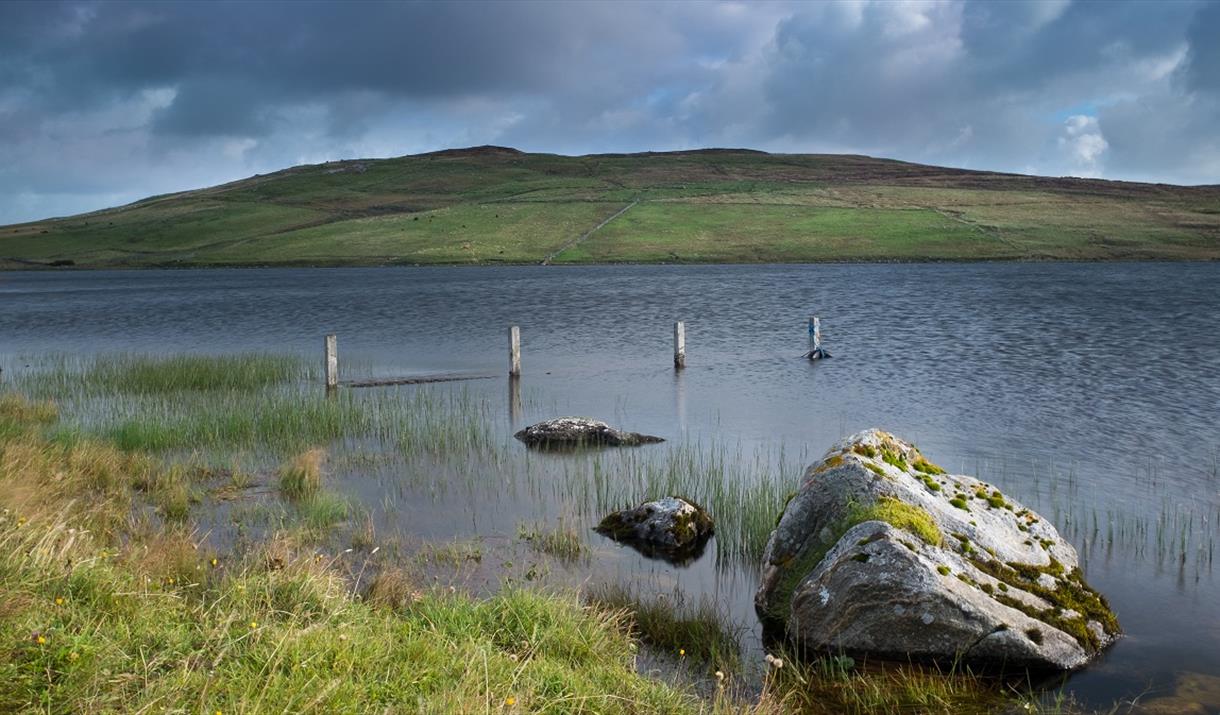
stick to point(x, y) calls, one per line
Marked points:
point(301, 477)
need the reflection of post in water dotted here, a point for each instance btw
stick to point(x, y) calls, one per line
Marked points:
point(680, 398)
point(514, 400)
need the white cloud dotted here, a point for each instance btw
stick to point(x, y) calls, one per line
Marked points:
point(1083, 143)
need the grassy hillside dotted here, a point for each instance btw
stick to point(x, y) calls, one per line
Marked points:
point(493, 205)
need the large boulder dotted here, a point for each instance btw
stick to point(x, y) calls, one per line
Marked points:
point(880, 552)
point(567, 432)
point(670, 528)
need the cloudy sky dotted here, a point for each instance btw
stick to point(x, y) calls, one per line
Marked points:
point(102, 103)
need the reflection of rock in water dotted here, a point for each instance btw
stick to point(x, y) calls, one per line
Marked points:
point(881, 552)
point(570, 432)
point(671, 529)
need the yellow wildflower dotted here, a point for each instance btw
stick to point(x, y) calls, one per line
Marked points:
point(510, 701)
point(59, 600)
point(682, 652)
point(253, 625)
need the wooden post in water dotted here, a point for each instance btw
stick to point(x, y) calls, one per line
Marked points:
point(332, 362)
point(679, 345)
point(816, 351)
point(514, 351)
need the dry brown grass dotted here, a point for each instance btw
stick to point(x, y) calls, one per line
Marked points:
point(301, 476)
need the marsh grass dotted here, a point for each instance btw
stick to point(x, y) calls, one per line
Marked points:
point(133, 374)
point(104, 612)
point(697, 633)
point(563, 541)
point(744, 491)
point(301, 477)
point(838, 686)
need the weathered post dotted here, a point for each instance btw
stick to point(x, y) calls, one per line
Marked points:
point(332, 362)
point(679, 345)
point(514, 351)
point(816, 351)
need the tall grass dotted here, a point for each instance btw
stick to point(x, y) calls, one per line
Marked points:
point(124, 374)
point(104, 613)
point(697, 633)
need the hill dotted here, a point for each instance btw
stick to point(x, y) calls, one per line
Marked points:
point(499, 205)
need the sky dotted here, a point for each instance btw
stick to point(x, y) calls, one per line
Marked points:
point(103, 103)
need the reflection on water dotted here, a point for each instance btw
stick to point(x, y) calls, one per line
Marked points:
point(1089, 391)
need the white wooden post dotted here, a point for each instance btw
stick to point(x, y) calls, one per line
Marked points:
point(332, 362)
point(815, 333)
point(679, 345)
point(514, 351)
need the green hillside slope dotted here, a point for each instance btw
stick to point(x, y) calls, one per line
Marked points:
point(495, 205)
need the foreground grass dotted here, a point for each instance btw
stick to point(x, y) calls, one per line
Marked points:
point(103, 612)
point(498, 206)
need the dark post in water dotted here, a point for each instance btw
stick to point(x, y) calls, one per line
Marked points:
point(514, 351)
point(332, 362)
point(679, 345)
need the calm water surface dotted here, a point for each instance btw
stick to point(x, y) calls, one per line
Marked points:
point(1089, 391)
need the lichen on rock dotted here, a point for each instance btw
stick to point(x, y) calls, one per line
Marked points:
point(861, 561)
point(670, 528)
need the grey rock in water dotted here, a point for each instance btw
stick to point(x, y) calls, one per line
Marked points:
point(880, 552)
point(567, 432)
point(670, 528)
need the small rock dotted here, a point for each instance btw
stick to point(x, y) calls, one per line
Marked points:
point(569, 432)
point(671, 528)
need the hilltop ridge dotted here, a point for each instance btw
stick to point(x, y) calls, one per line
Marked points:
point(492, 204)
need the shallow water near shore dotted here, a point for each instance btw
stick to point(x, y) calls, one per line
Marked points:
point(1090, 392)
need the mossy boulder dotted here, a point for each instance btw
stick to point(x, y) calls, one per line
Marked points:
point(671, 528)
point(881, 552)
point(572, 432)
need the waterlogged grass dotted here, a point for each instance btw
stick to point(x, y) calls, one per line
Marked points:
point(301, 477)
point(697, 633)
point(744, 491)
point(103, 613)
point(161, 375)
point(837, 686)
point(563, 541)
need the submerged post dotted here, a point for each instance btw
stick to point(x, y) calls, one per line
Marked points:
point(332, 362)
point(514, 351)
point(679, 345)
point(816, 351)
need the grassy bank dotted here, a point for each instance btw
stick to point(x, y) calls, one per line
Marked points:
point(105, 610)
point(117, 598)
point(490, 205)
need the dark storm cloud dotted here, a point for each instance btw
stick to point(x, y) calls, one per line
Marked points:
point(106, 101)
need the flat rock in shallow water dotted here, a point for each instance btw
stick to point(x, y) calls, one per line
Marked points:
point(880, 552)
point(567, 432)
point(671, 528)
